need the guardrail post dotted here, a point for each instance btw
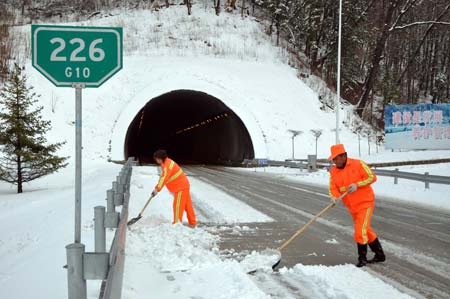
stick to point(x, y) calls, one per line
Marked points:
point(312, 163)
point(112, 217)
point(99, 229)
point(395, 177)
point(427, 182)
point(110, 200)
point(118, 191)
point(75, 281)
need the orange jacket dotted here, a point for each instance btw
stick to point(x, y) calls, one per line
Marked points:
point(354, 172)
point(172, 176)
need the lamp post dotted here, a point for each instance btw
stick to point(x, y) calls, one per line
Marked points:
point(338, 88)
point(317, 133)
point(294, 133)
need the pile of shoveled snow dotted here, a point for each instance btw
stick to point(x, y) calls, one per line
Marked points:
point(175, 261)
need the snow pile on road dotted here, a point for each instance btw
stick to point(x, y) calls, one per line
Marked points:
point(174, 261)
point(260, 261)
point(176, 246)
point(343, 281)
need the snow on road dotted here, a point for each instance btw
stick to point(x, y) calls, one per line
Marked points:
point(175, 261)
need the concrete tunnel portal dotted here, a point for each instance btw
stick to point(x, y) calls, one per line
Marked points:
point(194, 128)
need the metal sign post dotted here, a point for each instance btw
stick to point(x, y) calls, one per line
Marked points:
point(77, 57)
point(78, 156)
point(338, 87)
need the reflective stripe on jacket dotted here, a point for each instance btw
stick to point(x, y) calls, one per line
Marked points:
point(354, 172)
point(172, 176)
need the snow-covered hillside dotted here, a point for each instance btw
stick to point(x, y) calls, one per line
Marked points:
point(224, 56)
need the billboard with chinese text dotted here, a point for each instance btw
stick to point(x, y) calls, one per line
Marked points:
point(422, 126)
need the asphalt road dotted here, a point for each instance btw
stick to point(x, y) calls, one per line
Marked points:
point(416, 240)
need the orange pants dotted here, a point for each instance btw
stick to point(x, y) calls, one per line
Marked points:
point(182, 202)
point(363, 231)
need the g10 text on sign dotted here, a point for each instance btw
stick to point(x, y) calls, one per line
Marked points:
point(67, 55)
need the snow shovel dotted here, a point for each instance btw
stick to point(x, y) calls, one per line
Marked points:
point(136, 219)
point(277, 253)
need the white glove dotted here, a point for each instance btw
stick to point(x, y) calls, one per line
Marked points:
point(154, 193)
point(352, 188)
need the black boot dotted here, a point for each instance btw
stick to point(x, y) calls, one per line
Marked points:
point(379, 257)
point(362, 255)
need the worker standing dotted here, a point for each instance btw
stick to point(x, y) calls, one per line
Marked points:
point(356, 177)
point(173, 177)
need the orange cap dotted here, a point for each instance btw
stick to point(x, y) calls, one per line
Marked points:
point(336, 150)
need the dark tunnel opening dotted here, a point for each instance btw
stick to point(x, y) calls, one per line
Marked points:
point(194, 128)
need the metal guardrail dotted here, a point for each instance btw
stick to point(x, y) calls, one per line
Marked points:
point(396, 174)
point(426, 177)
point(111, 288)
point(101, 264)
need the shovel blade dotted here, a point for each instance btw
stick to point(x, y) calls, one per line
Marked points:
point(134, 220)
point(265, 260)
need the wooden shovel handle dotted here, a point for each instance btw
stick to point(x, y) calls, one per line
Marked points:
point(304, 227)
point(146, 204)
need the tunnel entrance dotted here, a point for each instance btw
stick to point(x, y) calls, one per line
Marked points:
point(194, 128)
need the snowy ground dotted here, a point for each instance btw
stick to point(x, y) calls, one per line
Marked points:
point(405, 155)
point(175, 261)
point(405, 190)
point(38, 224)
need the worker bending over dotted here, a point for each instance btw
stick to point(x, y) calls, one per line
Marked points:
point(173, 177)
point(355, 176)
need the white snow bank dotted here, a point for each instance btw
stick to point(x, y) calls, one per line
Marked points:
point(261, 261)
point(344, 281)
point(174, 261)
point(37, 225)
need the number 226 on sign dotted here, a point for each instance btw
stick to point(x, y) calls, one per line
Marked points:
point(67, 55)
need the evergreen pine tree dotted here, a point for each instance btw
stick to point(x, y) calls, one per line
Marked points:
point(24, 152)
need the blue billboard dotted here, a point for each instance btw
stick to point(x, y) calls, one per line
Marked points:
point(422, 126)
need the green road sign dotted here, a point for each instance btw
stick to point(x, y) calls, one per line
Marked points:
point(68, 54)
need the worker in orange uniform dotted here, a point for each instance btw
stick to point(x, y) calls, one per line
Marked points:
point(173, 177)
point(355, 176)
